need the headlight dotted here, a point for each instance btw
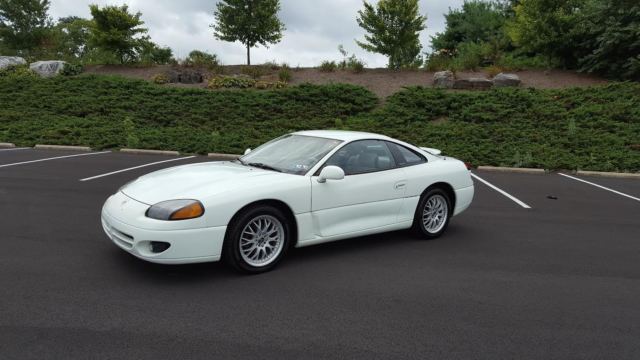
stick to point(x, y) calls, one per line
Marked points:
point(176, 210)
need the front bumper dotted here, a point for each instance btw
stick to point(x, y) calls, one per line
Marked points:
point(185, 245)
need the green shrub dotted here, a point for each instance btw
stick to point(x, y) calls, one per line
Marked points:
point(355, 65)
point(71, 69)
point(272, 65)
point(578, 128)
point(160, 79)
point(471, 56)
point(328, 66)
point(255, 71)
point(202, 59)
point(439, 61)
point(111, 112)
point(263, 85)
point(512, 61)
point(17, 71)
point(596, 128)
point(237, 82)
point(493, 70)
point(284, 75)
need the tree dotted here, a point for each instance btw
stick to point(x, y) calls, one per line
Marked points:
point(610, 30)
point(72, 36)
point(151, 53)
point(251, 22)
point(477, 21)
point(116, 31)
point(393, 28)
point(24, 26)
point(547, 27)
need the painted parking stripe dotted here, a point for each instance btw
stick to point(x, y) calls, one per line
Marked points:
point(53, 158)
point(511, 197)
point(601, 187)
point(135, 167)
point(14, 149)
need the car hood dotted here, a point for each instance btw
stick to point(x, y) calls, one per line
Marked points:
point(196, 181)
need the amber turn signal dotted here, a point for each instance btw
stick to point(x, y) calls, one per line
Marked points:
point(191, 211)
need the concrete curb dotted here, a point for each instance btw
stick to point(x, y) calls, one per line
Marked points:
point(61, 147)
point(609, 174)
point(149, 152)
point(7, 145)
point(224, 156)
point(512, 170)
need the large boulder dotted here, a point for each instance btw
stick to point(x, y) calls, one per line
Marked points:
point(7, 61)
point(444, 79)
point(503, 80)
point(185, 76)
point(473, 84)
point(47, 68)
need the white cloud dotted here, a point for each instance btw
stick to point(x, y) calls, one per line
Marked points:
point(314, 28)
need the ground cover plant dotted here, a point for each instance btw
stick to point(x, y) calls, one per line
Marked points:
point(596, 128)
point(592, 128)
point(111, 112)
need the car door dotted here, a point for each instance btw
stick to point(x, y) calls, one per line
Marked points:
point(369, 196)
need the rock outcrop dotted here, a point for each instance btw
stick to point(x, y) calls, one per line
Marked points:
point(47, 68)
point(504, 80)
point(6, 61)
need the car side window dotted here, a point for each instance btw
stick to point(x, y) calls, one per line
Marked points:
point(363, 156)
point(405, 156)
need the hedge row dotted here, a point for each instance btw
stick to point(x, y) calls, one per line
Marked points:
point(594, 128)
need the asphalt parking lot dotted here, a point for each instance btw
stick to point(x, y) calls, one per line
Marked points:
point(557, 280)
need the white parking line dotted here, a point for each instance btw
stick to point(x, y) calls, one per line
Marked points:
point(14, 149)
point(511, 197)
point(135, 167)
point(601, 187)
point(53, 158)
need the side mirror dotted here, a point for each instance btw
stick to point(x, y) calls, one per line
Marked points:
point(331, 173)
point(247, 151)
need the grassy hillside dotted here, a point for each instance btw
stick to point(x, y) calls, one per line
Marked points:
point(594, 128)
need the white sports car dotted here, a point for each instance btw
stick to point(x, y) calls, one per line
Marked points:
point(300, 189)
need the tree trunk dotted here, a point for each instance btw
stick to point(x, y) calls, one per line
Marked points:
point(248, 55)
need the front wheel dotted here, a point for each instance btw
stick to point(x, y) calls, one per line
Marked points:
point(257, 239)
point(432, 214)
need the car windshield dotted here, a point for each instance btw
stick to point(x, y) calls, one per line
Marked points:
point(292, 154)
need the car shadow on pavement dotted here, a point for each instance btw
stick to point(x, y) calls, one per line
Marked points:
point(371, 245)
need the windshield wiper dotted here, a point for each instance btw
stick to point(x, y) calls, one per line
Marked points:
point(264, 166)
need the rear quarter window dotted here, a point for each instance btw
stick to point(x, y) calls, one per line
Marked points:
point(405, 156)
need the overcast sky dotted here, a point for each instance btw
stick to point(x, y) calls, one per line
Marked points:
point(315, 28)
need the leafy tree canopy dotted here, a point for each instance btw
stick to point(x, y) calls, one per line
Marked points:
point(610, 30)
point(477, 21)
point(547, 27)
point(393, 28)
point(24, 26)
point(117, 31)
point(252, 22)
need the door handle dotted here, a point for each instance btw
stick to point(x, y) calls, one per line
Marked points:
point(400, 185)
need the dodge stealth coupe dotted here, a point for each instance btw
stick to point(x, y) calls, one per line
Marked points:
point(300, 189)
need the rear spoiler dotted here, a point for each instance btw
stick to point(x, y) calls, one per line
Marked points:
point(431, 151)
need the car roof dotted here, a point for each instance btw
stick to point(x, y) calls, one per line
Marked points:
point(341, 134)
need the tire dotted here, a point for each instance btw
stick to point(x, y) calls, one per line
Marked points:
point(436, 200)
point(257, 239)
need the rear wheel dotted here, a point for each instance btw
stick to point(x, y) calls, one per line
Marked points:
point(432, 214)
point(257, 239)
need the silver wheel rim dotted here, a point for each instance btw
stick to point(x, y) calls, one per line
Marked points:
point(261, 240)
point(434, 214)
